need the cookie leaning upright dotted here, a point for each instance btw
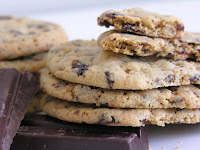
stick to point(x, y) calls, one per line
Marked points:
point(143, 22)
point(22, 36)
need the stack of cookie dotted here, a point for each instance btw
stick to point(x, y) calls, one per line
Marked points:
point(109, 88)
point(24, 44)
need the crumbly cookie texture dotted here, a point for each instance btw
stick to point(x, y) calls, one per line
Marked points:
point(84, 113)
point(32, 63)
point(22, 36)
point(35, 103)
point(143, 22)
point(86, 63)
point(171, 97)
point(130, 44)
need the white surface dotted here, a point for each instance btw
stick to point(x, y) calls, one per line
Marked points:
point(82, 24)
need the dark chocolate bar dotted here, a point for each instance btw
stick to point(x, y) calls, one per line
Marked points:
point(16, 92)
point(41, 132)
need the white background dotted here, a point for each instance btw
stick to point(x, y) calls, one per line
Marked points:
point(79, 17)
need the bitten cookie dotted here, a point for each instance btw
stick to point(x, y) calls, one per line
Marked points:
point(32, 63)
point(143, 22)
point(171, 97)
point(84, 62)
point(83, 113)
point(131, 44)
point(22, 36)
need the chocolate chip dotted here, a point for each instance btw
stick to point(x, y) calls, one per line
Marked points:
point(15, 32)
point(127, 27)
point(58, 85)
point(104, 121)
point(178, 100)
point(79, 67)
point(143, 121)
point(39, 26)
point(157, 80)
point(170, 78)
point(195, 78)
point(145, 51)
point(111, 15)
point(133, 51)
point(105, 23)
point(77, 112)
point(5, 17)
point(180, 27)
point(109, 81)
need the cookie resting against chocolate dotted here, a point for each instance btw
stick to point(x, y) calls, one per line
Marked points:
point(22, 36)
point(90, 114)
point(84, 62)
point(141, 22)
point(171, 97)
point(131, 44)
point(34, 106)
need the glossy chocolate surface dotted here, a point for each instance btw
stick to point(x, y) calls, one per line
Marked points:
point(44, 132)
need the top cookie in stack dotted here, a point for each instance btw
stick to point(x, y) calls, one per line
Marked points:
point(143, 33)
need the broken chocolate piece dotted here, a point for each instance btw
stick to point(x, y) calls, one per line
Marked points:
point(44, 132)
point(16, 92)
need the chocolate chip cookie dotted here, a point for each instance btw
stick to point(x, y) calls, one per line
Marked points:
point(143, 22)
point(32, 63)
point(22, 36)
point(171, 97)
point(35, 103)
point(84, 62)
point(131, 44)
point(85, 113)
